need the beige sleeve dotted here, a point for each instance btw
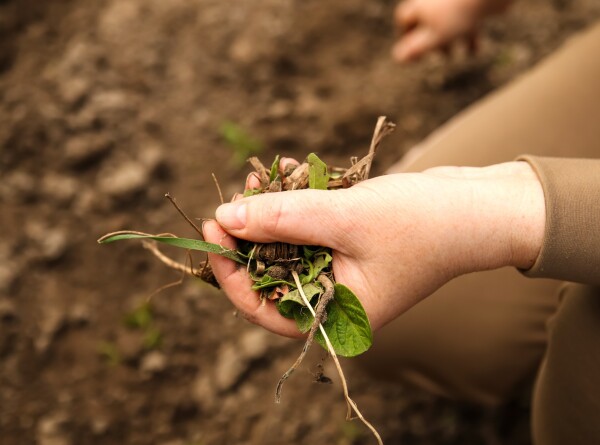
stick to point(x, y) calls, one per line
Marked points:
point(571, 247)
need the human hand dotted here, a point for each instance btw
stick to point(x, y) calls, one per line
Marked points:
point(395, 239)
point(429, 25)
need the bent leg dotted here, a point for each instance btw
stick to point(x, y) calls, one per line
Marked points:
point(482, 335)
point(566, 402)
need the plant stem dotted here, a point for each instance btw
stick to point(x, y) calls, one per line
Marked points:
point(351, 404)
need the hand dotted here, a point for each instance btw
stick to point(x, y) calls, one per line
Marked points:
point(396, 238)
point(429, 25)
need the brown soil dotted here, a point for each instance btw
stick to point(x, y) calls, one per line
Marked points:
point(104, 107)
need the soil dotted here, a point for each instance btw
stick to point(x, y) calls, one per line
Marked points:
point(107, 105)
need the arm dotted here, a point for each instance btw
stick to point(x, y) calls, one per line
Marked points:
point(396, 238)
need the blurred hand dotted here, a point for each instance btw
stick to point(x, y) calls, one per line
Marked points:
point(428, 25)
point(395, 239)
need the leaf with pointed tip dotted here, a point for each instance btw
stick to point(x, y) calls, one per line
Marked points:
point(185, 243)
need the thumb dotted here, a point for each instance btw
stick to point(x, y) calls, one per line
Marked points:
point(313, 217)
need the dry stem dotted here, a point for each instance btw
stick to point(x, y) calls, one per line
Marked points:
point(351, 404)
point(182, 213)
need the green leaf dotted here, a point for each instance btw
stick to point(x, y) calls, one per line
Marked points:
point(347, 324)
point(252, 192)
point(304, 320)
point(322, 261)
point(139, 318)
point(317, 173)
point(292, 299)
point(310, 290)
point(285, 310)
point(185, 243)
point(268, 281)
point(274, 169)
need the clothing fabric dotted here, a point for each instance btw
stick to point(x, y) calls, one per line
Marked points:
point(483, 335)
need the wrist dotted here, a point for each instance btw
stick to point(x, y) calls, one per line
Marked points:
point(502, 216)
point(516, 217)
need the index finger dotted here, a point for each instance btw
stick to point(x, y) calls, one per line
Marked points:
point(237, 285)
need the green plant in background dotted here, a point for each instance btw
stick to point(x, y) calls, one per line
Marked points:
point(110, 352)
point(142, 318)
point(242, 144)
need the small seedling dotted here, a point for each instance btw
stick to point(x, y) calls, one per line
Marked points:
point(242, 144)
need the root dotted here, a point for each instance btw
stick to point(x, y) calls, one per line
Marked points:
point(351, 404)
point(320, 317)
point(153, 248)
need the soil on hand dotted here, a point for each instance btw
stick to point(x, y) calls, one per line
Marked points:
point(105, 107)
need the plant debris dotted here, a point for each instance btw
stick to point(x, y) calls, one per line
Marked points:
point(299, 280)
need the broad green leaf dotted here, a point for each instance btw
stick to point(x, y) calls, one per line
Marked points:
point(184, 243)
point(304, 320)
point(274, 169)
point(317, 173)
point(293, 298)
point(310, 290)
point(287, 312)
point(347, 324)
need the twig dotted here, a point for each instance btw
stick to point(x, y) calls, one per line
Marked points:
point(351, 404)
point(218, 188)
point(382, 129)
point(360, 170)
point(320, 317)
point(170, 198)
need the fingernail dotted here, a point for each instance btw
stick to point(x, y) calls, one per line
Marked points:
point(232, 216)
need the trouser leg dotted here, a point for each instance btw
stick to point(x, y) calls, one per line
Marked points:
point(483, 334)
point(566, 402)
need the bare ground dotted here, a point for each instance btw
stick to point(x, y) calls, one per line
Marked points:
point(107, 105)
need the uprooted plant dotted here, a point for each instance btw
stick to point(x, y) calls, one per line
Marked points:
point(299, 280)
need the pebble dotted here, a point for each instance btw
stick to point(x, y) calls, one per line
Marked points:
point(59, 188)
point(8, 311)
point(8, 275)
point(52, 321)
point(125, 180)
point(204, 392)
point(154, 362)
point(50, 430)
point(234, 360)
point(86, 149)
point(18, 186)
point(50, 243)
point(75, 90)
